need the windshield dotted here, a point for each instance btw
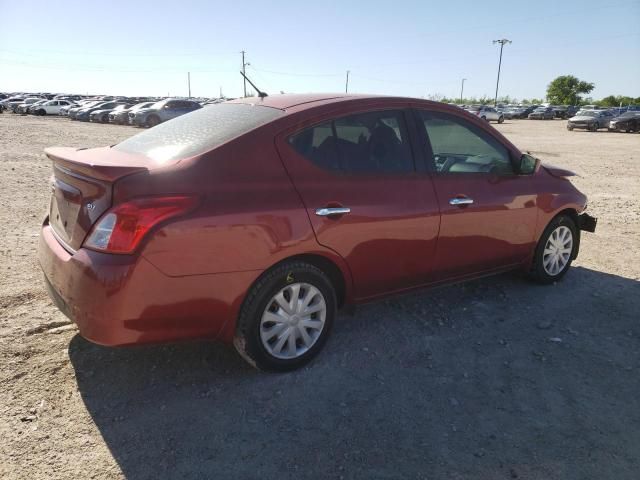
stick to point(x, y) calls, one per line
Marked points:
point(198, 131)
point(159, 104)
point(587, 113)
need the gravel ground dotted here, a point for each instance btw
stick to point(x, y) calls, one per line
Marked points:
point(497, 378)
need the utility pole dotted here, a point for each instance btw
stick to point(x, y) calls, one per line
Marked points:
point(189, 82)
point(346, 85)
point(502, 43)
point(244, 72)
point(462, 89)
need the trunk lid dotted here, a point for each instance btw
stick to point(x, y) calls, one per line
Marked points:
point(82, 185)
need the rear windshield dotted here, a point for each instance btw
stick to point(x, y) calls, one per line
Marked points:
point(199, 131)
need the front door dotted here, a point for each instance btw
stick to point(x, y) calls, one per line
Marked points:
point(488, 212)
point(356, 176)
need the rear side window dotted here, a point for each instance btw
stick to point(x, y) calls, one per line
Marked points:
point(460, 147)
point(372, 142)
point(199, 131)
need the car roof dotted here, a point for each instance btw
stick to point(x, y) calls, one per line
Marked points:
point(301, 101)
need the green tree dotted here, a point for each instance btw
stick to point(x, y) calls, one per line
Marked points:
point(615, 101)
point(567, 90)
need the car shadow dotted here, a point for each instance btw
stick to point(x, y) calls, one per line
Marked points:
point(496, 378)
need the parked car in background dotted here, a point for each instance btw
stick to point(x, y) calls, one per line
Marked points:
point(50, 107)
point(627, 122)
point(84, 114)
point(25, 107)
point(81, 104)
point(161, 112)
point(508, 113)
point(14, 105)
point(102, 114)
point(9, 103)
point(253, 221)
point(591, 120)
point(121, 117)
point(486, 113)
point(542, 113)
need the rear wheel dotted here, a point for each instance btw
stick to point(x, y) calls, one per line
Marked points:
point(501, 119)
point(594, 127)
point(286, 318)
point(105, 119)
point(555, 250)
point(570, 127)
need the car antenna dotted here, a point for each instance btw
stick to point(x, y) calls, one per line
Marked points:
point(261, 94)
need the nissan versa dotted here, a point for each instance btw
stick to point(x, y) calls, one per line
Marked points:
point(253, 221)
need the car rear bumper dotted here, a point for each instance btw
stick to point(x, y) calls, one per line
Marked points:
point(124, 299)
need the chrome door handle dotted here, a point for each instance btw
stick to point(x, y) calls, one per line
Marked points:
point(326, 212)
point(461, 201)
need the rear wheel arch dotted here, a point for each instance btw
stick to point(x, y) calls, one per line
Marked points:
point(326, 265)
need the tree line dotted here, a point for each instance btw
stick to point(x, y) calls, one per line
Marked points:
point(563, 90)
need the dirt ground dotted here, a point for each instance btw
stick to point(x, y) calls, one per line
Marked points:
point(497, 378)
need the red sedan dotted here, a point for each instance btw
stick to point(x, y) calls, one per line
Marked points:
point(254, 221)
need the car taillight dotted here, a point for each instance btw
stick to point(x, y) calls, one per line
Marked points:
point(121, 229)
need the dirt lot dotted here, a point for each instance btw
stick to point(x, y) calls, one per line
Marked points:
point(498, 378)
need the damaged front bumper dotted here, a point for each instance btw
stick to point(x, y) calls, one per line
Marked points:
point(587, 223)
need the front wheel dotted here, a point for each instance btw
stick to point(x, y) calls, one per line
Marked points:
point(501, 120)
point(152, 121)
point(594, 127)
point(286, 318)
point(555, 250)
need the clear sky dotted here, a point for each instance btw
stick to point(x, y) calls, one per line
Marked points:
point(397, 47)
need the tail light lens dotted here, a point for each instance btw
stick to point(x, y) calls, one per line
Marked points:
point(121, 229)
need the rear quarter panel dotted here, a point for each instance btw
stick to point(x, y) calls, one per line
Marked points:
point(250, 216)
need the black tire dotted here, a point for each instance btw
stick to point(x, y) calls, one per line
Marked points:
point(247, 339)
point(152, 121)
point(41, 112)
point(570, 127)
point(538, 272)
point(105, 119)
point(594, 127)
point(484, 118)
point(500, 119)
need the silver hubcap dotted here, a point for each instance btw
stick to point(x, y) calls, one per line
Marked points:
point(293, 320)
point(557, 251)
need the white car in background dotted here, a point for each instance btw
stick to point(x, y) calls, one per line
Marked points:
point(13, 105)
point(486, 113)
point(52, 107)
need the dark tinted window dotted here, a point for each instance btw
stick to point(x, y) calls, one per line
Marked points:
point(460, 147)
point(373, 142)
point(199, 131)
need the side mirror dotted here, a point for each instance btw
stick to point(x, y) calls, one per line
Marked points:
point(527, 164)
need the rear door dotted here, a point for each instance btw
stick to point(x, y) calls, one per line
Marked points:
point(357, 178)
point(488, 212)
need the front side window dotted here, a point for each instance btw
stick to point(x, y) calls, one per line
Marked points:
point(368, 143)
point(460, 147)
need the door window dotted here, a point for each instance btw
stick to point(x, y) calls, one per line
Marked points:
point(460, 147)
point(365, 143)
